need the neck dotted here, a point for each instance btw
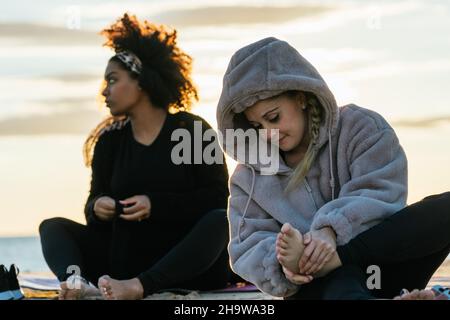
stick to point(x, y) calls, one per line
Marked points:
point(147, 121)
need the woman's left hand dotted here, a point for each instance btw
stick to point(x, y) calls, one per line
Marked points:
point(139, 209)
point(320, 247)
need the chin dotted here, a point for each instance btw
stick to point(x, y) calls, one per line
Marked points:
point(287, 147)
point(115, 113)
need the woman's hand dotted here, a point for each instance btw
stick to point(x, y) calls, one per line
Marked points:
point(138, 208)
point(320, 247)
point(104, 208)
point(297, 278)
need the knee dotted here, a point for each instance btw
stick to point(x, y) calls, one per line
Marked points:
point(440, 204)
point(441, 198)
point(446, 199)
point(444, 206)
point(50, 224)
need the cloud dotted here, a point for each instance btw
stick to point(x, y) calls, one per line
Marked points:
point(36, 34)
point(72, 122)
point(422, 123)
point(227, 15)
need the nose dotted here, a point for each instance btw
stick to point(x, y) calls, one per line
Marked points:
point(105, 91)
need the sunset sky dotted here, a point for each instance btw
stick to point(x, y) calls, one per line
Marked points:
point(389, 56)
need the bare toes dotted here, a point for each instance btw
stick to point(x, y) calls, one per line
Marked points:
point(286, 229)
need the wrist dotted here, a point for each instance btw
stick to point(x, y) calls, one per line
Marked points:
point(332, 232)
point(329, 231)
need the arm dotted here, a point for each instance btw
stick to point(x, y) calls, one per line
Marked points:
point(100, 178)
point(252, 246)
point(377, 189)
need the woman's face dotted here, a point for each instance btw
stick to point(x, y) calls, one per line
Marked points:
point(284, 113)
point(122, 92)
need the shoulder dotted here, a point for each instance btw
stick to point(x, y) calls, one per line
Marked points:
point(112, 133)
point(183, 119)
point(359, 124)
point(353, 115)
point(363, 128)
point(242, 176)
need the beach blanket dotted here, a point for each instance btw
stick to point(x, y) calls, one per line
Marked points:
point(38, 286)
point(46, 286)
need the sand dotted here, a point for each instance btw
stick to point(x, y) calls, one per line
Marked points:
point(441, 277)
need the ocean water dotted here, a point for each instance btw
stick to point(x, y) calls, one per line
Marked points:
point(25, 252)
point(389, 56)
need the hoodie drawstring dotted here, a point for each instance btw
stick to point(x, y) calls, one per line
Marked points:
point(242, 222)
point(332, 185)
point(331, 165)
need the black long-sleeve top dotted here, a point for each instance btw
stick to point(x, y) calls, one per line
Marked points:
point(179, 194)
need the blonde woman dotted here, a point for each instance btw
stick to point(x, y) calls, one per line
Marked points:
point(336, 204)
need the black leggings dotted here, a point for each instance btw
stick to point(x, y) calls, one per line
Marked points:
point(199, 261)
point(408, 247)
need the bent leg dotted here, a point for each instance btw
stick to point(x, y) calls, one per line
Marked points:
point(67, 243)
point(416, 231)
point(201, 250)
point(408, 247)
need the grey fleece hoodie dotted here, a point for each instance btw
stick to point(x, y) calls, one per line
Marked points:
point(358, 178)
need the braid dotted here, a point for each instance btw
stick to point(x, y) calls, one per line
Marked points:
point(314, 116)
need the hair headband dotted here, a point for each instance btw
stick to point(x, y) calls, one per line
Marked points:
point(130, 60)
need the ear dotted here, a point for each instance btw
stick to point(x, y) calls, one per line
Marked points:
point(300, 100)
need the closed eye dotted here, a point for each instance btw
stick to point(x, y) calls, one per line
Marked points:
point(274, 119)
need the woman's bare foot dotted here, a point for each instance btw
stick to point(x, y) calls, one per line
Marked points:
point(416, 295)
point(76, 290)
point(289, 247)
point(112, 289)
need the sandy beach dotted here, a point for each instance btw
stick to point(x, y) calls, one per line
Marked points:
point(441, 277)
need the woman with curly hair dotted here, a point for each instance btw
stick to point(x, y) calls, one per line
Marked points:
point(147, 217)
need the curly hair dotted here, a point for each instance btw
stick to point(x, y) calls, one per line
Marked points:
point(166, 69)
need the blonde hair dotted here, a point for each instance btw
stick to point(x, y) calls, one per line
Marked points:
point(314, 116)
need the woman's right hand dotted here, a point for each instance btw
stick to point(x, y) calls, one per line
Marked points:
point(105, 208)
point(297, 279)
